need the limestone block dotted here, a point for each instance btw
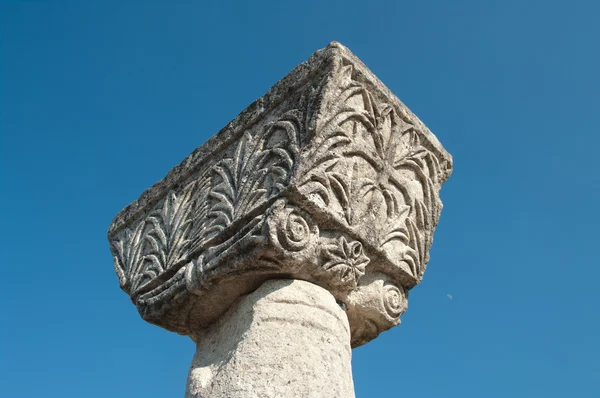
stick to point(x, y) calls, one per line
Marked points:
point(327, 178)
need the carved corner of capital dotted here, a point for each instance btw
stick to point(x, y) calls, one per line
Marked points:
point(374, 307)
point(327, 178)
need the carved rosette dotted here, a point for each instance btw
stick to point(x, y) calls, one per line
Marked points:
point(328, 178)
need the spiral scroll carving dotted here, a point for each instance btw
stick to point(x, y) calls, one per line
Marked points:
point(295, 234)
point(291, 229)
point(394, 300)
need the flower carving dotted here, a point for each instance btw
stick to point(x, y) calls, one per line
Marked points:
point(346, 260)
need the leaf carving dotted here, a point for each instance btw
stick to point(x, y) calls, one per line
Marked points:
point(171, 232)
point(163, 239)
point(363, 159)
point(127, 252)
point(258, 169)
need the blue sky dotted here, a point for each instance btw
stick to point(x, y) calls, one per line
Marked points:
point(98, 100)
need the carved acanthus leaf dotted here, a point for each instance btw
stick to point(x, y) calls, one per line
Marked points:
point(163, 239)
point(258, 169)
point(173, 229)
point(127, 253)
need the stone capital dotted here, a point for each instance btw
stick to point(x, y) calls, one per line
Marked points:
point(328, 178)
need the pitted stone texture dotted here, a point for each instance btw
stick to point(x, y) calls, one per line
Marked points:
point(289, 339)
point(328, 178)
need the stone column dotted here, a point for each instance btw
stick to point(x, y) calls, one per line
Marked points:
point(292, 235)
point(289, 338)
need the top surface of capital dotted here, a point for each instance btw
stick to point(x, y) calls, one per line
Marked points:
point(328, 178)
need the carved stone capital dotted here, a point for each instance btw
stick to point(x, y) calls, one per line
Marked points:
point(327, 178)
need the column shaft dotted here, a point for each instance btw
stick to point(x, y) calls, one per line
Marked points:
point(289, 339)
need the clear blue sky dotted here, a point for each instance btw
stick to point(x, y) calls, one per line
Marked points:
point(99, 99)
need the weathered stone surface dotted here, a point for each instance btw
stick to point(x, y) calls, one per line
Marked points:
point(289, 338)
point(328, 178)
